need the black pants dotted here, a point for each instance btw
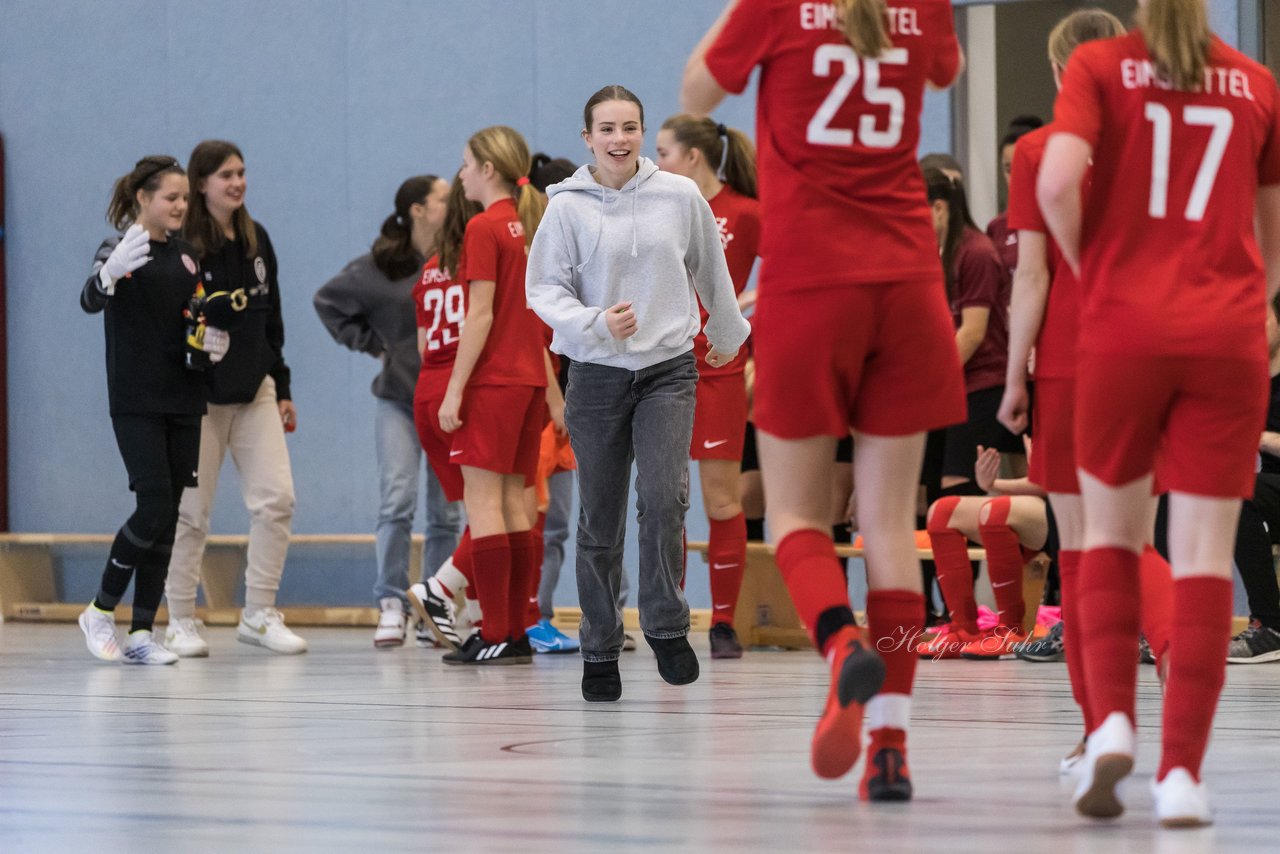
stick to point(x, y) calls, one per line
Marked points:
point(1258, 531)
point(161, 454)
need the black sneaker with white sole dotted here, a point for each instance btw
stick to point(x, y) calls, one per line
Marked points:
point(1257, 644)
point(435, 612)
point(477, 650)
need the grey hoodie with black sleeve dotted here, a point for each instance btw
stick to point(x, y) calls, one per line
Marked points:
point(654, 243)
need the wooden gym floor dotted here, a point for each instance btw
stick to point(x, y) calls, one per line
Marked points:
point(348, 749)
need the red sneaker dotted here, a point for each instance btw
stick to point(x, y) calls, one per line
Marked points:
point(995, 643)
point(886, 777)
point(857, 672)
point(947, 645)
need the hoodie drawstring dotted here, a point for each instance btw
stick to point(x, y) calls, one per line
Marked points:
point(635, 226)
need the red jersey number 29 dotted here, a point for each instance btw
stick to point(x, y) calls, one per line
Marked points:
point(1217, 118)
point(825, 60)
point(447, 305)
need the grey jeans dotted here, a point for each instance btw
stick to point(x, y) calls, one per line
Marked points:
point(616, 416)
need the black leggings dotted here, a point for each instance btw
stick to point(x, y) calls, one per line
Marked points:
point(161, 453)
point(1258, 531)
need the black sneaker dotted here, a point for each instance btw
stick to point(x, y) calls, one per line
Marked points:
point(724, 642)
point(677, 662)
point(521, 651)
point(477, 650)
point(1048, 648)
point(886, 778)
point(1255, 645)
point(436, 612)
point(601, 682)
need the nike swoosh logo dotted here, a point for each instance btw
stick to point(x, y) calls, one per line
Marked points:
point(723, 565)
point(710, 445)
point(1005, 584)
point(722, 607)
point(454, 453)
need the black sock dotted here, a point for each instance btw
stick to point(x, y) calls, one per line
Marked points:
point(148, 589)
point(831, 621)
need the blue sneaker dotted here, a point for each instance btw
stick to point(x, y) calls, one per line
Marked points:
point(546, 638)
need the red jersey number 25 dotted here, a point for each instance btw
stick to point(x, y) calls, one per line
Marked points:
point(825, 60)
point(446, 305)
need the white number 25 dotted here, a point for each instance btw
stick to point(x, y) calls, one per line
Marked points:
point(825, 58)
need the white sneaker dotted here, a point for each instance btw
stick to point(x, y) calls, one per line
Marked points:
point(99, 629)
point(391, 624)
point(1180, 801)
point(141, 647)
point(1108, 759)
point(267, 629)
point(1071, 761)
point(182, 636)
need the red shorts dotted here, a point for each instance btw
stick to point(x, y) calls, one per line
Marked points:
point(1202, 415)
point(880, 359)
point(719, 417)
point(1052, 466)
point(501, 429)
point(437, 444)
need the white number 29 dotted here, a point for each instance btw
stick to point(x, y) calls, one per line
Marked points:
point(1221, 121)
point(820, 130)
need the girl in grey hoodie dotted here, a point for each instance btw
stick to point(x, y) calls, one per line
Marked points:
point(616, 270)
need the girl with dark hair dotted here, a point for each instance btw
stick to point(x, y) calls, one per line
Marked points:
point(143, 282)
point(367, 308)
point(548, 170)
point(627, 254)
point(250, 409)
point(851, 330)
point(1006, 240)
point(722, 162)
point(978, 291)
point(1177, 243)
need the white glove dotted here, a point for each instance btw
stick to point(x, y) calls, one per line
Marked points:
point(130, 254)
point(216, 342)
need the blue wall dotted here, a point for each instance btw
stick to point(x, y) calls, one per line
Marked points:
point(334, 103)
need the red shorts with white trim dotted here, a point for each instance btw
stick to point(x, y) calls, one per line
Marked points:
point(880, 359)
point(1052, 466)
point(1202, 416)
point(719, 417)
point(501, 429)
point(437, 444)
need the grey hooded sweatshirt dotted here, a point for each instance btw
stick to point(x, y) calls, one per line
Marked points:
point(653, 243)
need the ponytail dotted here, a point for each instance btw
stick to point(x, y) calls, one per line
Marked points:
point(727, 151)
point(866, 26)
point(530, 206)
point(146, 176)
point(939, 185)
point(1177, 35)
point(458, 211)
point(393, 251)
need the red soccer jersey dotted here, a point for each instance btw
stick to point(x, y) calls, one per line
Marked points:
point(1056, 345)
point(739, 219)
point(842, 194)
point(981, 282)
point(494, 249)
point(440, 304)
point(1169, 260)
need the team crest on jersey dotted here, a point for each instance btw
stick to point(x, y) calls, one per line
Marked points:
point(260, 270)
point(188, 263)
point(516, 228)
point(726, 236)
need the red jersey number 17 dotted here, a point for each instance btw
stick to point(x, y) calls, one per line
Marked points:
point(1217, 118)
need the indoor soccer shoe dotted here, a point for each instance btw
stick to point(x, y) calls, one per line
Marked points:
point(183, 638)
point(267, 630)
point(1069, 763)
point(1108, 759)
point(477, 651)
point(141, 647)
point(434, 607)
point(1180, 801)
point(886, 778)
point(947, 645)
point(1047, 649)
point(99, 629)
point(391, 625)
point(724, 641)
point(1255, 645)
point(548, 640)
point(995, 644)
point(857, 672)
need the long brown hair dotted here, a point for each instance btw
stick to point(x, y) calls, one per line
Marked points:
point(1085, 25)
point(506, 149)
point(726, 150)
point(1177, 35)
point(393, 250)
point(146, 176)
point(201, 230)
point(458, 212)
point(866, 25)
point(940, 186)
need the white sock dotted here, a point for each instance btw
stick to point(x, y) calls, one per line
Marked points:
point(888, 710)
point(450, 576)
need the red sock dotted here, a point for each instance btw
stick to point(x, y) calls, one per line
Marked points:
point(807, 561)
point(491, 557)
point(955, 572)
point(533, 613)
point(1069, 573)
point(1005, 562)
point(1197, 669)
point(1156, 578)
point(521, 574)
point(727, 554)
point(462, 558)
point(1109, 605)
point(895, 620)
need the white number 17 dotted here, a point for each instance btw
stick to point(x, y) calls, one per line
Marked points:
point(1218, 118)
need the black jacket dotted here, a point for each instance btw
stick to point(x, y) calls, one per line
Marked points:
point(257, 345)
point(146, 332)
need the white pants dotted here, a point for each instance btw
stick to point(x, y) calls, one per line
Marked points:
point(254, 435)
